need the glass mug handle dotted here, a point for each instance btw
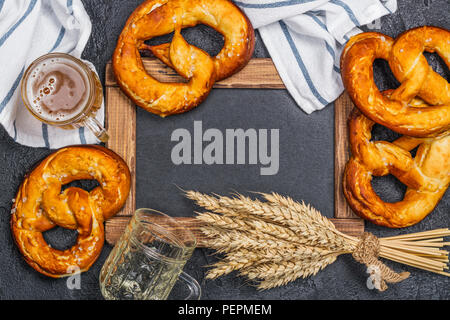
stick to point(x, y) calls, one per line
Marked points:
point(96, 128)
point(193, 286)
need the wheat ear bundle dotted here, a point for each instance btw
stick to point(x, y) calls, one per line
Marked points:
point(279, 240)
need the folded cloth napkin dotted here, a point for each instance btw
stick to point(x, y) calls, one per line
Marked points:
point(28, 30)
point(305, 40)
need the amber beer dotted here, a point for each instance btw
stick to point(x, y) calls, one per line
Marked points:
point(63, 91)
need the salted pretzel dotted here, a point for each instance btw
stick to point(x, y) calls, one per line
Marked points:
point(427, 175)
point(410, 67)
point(40, 206)
point(155, 18)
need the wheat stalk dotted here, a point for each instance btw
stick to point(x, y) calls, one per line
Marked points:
point(228, 240)
point(299, 219)
point(279, 240)
point(306, 270)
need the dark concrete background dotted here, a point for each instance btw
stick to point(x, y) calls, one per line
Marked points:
point(306, 172)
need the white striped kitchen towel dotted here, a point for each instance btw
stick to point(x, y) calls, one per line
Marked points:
point(305, 39)
point(28, 30)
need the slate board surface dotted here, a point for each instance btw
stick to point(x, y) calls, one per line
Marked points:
point(306, 172)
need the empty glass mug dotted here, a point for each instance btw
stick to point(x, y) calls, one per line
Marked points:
point(148, 260)
point(61, 90)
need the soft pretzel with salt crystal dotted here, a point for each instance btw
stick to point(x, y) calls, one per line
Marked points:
point(155, 18)
point(427, 175)
point(410, 67)
point(40, 206)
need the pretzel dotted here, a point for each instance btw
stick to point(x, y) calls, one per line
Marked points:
point(40, 206)
point(427, 176)
point(159, 17)
point(410, 67)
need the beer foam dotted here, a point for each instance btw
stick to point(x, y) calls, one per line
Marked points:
point(57, 89)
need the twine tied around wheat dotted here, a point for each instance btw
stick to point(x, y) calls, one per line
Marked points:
point(367, 252)
point(279, 240)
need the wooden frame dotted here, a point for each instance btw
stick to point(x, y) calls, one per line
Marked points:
point(260, 74)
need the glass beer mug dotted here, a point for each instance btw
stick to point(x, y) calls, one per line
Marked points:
point(64, 92)
point(148, 259)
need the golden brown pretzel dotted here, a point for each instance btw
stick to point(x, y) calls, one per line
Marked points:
point(427, 176)
point(405, 57)
point(159, 17)
point(40, 206)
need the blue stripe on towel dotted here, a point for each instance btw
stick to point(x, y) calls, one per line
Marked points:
point(82, 135)
point(336, 69)
point(2, 2)
point(327, 45)
point(301, 64)
point(385, 6)
point(17, 24)
point(271, 5)
point(15, 130)
point(11, 91)
point(347, 9)
point(45, 135)
point(69, 5)
point(317, 20)
point(62, 32)
point(317, 12)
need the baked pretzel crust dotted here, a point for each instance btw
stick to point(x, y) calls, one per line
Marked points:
point(159, 17)
point(40, 206)
point(410, 67)
point(427, 175)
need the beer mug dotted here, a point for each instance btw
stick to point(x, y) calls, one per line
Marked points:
point(148, 260)
point(64, 92)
